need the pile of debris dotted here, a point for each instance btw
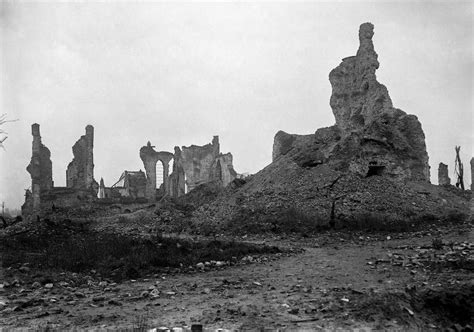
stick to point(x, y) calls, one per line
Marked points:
point(372, 161)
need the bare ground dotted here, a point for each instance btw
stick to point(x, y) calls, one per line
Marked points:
point(338, 280)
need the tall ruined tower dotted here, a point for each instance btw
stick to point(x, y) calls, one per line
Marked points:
point(40, 168)
point(80, 171)
point(370, 137)
point(472, 174)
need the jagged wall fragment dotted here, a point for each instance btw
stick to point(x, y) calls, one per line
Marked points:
point(80, 171)
point(41, 171)
point(472, 174)
point(202, 164)
point(443, 177)
point(370, 136)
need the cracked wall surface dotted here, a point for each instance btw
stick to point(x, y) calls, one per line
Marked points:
point(41, 171)
point(472, 174)
point(443, 175)
point(80, 171)
point(202, 164)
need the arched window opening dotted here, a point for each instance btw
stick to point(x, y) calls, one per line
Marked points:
point(159, 174)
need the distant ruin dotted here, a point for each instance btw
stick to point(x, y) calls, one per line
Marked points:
point(150, 158)
point(370, 136)
point(192, 166)
point(81, 185)
point(472, 174)
point(131, 184)
point(443, 175)
point(41, 171)
point(202, 164)
point(80, 171)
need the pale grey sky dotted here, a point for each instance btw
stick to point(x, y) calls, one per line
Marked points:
point(179, 73)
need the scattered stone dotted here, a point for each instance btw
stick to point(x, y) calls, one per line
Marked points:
point(24, 269)
point(200, 265)
point(114, 302)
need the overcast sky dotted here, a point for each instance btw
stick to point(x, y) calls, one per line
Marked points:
point(179, 73)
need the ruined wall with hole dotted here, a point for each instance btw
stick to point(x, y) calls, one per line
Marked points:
point(370, 135)
point(150, 158)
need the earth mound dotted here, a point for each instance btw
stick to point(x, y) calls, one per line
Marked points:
point(371, 163)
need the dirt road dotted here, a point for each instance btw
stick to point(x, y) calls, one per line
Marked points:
point(326, 285)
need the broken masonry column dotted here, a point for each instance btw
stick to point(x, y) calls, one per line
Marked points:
point(165, 158)
point(216, 146)
point(368, 128)
point(80, 171)
point(147, 155)
point(443, 177)
point(89, 174)
point(472, 174)
point(177, 179)
point(101, 189)
point(40, 168)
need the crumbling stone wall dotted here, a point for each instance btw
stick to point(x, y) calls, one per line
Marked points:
point(370, 136)
point(150, 157)
point(101, 193)
point(41, 171)
point(177, 179)
point(443, 177)
point(472, 174)
point(196, 165)
point(80, 171)
point(134, 184)
point(202, 164)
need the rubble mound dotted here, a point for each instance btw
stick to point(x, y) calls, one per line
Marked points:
point(370, 135)
point(372, 161)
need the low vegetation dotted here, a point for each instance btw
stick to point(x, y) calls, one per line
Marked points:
point(116, 256)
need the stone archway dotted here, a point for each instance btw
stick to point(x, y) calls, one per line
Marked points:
point(150, 157)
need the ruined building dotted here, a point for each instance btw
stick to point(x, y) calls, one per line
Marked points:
point(443, 177)
point(80, 171)
point(150, 158)
point(202, 164)
point(370, 136)
point(472, 174)
point(130, 184)
point(192, 166)
point(81, 185)
point(41, 171)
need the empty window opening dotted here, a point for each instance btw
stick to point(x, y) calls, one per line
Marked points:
point(375, 170)
point(159, 174)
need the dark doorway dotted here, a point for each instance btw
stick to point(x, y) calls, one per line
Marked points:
point(375, 170)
